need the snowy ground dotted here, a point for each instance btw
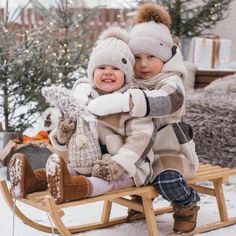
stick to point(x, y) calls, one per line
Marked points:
point(91, 212)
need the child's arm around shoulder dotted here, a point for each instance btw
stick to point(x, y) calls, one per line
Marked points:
point(162, 101)
point(166, 99)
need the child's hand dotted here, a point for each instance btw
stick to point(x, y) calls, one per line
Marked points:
point(110, 104)
point(107, 170)
point(65, 129)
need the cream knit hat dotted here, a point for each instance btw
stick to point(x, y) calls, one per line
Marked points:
point(151, 34)
point(112, 49)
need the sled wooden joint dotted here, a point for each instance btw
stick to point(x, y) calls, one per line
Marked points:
point(43, 201)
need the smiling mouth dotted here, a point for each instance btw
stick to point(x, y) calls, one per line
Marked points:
point(108, 80)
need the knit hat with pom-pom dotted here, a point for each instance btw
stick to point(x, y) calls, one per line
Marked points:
point(151, 34)
point(112, 49)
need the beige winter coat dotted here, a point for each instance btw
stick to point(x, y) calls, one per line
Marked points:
point(164, 100)
point(128, 140)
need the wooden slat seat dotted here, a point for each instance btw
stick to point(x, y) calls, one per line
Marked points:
point(43, 201)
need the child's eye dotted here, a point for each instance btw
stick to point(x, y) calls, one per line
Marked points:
point(151, 56)
point(101, 68)
point(137, 57)
point(115, 68)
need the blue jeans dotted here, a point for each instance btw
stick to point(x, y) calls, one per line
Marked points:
point(172, 187)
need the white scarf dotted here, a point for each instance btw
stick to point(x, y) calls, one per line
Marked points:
point(152, 82)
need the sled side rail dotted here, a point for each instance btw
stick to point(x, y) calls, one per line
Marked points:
point(206, 173)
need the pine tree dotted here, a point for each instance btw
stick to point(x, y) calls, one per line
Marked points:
point(191, 19)
point(46, 54)
point(13, 57)
point(68, 33)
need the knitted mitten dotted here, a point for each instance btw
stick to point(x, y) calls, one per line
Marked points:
point(108, 170)
point(65, 128)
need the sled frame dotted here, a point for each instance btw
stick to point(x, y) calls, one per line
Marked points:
point(43, 201)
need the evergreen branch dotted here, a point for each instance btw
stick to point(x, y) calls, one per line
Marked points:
point(22, 9)
point(191, 18)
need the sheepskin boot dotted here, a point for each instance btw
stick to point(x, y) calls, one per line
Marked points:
point(133, 214)
point(62, 186)
point(23, 178)
point(185, 218)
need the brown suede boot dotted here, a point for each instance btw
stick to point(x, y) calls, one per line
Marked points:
point(133, 214)
point(185, 218)
point(62, 186)
point(23, 178)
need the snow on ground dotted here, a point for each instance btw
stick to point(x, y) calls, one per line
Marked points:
point(85, 214)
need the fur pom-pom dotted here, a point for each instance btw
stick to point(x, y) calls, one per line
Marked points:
point(153, 12)
point(115, 32)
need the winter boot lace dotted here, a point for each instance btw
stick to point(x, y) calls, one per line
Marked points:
point(185, 218)
point(61, 185)
point(23, 178)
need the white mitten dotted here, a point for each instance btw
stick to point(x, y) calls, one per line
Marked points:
point(110, 104)
point(82, 92)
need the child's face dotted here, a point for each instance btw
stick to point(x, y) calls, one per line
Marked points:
point(108, 78)
point(146, 66)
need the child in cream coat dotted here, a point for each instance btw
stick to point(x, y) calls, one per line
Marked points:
point(159, 73)
point(125, 141)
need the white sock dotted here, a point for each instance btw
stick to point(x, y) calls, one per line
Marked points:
point(100, 186)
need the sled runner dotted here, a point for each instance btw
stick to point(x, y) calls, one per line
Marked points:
point(43, 201)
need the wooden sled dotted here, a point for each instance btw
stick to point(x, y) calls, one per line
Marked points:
point(43, 201)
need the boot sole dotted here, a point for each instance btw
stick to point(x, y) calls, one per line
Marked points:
point(134, 216)
point(188, 232)
point(16, 173)
point(55, 178)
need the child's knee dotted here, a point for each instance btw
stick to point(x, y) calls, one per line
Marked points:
point(171, 185)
